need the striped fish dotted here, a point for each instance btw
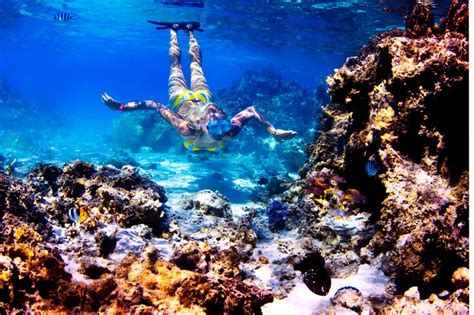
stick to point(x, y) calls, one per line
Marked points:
point(63, 17)
point(77, 215)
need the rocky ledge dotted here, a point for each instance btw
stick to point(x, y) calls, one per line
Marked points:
point(396, 132)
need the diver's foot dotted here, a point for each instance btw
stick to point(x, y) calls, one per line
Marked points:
point(186, 26)
point(282, 135)
point(192, 26)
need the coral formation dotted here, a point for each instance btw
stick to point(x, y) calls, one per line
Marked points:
point(276, 213)
point(390, 105)
point(37, 255)
point(208, 202)
point(106, 195)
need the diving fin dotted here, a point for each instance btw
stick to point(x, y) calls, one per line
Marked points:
point(187, 26)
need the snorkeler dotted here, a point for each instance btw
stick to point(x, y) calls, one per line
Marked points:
point(192, 113)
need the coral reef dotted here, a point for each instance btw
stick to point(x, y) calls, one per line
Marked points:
point(276, 213)
point(208, 202)
point(390, 107)
point(348, 300)
point(48, 265)
point(106, 195)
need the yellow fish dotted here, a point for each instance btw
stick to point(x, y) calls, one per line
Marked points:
point(78, 215)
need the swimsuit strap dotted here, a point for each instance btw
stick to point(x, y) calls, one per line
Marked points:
point(186, 95)
point(191, 146)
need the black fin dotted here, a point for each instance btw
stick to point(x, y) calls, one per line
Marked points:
point(187, 26)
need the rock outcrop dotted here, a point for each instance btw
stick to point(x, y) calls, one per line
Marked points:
point(397, 131)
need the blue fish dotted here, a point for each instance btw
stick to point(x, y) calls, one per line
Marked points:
point(63, 17)
point(372, 168)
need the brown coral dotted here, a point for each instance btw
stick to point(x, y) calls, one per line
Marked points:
point(404, 102)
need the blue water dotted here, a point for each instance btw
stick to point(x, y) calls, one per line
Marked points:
point(60, 69)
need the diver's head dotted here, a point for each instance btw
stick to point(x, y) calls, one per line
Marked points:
point(218, 128)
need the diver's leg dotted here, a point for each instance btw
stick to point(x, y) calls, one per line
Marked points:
point(243, 117)
point(198, 81)
point(176, 81)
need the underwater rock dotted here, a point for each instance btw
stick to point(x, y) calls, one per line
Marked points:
point(106, 243)
point(348, 298)
point(410, 303)
point(460, 278)
point(223, 295)
point(227, 262)
point(193, 256)
point(389, 105)
point(105, 195)
point(209, 202)
point(21, 216)
point(41, 273)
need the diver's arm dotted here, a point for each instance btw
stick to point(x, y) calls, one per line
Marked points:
point(130, 106)
point(239, 120)
point(181, 125)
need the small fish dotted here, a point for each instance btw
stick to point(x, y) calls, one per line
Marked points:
point(316, 191)
point(320, 183)
point(355, 196)
point(263, 181)
point(77, 215)
point(337, 213)
point(334, 192)
point(336, 179)
point(322, 202)
point(371, 167)
point(315, 276)
point(64, 17)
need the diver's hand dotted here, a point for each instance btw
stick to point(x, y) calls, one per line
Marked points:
point(110, 102)
point(282, 135)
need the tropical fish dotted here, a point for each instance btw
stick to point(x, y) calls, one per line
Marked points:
point(355, 196)
point(316, 191)
point(319, 182)
point(315, 276)
point(262, 181)
point(371, 167)
point(334, 192)
point(77, 215)
point(336, 179)
point(63, 17)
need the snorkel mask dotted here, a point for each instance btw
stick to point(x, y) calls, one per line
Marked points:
point(218, 128)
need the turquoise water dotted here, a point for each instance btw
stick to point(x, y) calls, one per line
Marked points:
point(58, 70)
point(272, 54)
